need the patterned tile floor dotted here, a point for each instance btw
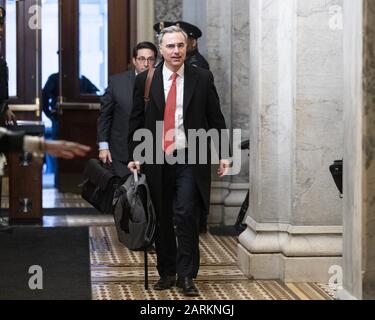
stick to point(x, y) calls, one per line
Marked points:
point(117, 274)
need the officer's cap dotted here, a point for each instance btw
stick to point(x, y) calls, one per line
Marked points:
point(191, 30)
point(161, 25)
point(2, 15)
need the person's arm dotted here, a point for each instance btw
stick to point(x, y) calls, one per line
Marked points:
point(60, 149)
point(17, 141)
point(105, 123)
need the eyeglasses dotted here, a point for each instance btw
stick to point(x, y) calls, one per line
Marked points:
point(143, 60)
point(178, 45)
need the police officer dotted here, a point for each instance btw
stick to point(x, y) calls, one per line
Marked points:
point(193, 56)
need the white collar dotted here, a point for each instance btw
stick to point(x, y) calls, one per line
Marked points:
point(168, 73)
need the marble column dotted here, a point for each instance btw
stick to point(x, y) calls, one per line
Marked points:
point(168, 10)
point(295, 219)
point(219, 54)
point(228, 55)
point(359, 154)
point(145, 21)
point(240, 101)
point(195, 12)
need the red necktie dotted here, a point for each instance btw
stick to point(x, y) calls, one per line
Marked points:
point(169, 118)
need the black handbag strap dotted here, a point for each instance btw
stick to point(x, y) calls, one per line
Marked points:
point(150, 76)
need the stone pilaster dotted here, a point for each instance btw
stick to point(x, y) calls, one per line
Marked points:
point(145, 20)
point(168, 10)
point(195, 12)
point(359, 154)
point(294, 224)
point(228, 54)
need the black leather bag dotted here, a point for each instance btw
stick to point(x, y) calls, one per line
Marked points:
point(99, 185)
point(135, 216)
point(134, 213)
point(336, 170)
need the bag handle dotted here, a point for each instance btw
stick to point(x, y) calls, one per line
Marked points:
point(135, 177)
point(150, 76)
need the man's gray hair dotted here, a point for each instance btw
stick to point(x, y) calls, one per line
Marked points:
point(172, 29)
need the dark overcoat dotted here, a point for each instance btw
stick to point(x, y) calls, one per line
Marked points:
point(201, 111)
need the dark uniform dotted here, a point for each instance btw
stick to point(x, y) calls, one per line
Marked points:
point(3, 87)
point(196, 59)
point(193, 58)
point(50, 94)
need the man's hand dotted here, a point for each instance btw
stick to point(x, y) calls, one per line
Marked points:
point(223, 168)
point(66, 149)
point(105, 156)
point(10, 118)
point(134, 166)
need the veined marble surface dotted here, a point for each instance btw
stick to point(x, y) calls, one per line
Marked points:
point(369, 152)
point(240, 78)
point(319, 111)
point(168, 10)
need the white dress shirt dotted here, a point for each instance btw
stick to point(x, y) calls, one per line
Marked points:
point(180, 138)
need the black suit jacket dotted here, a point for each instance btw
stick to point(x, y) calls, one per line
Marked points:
point(113, 121)
point(201, 111)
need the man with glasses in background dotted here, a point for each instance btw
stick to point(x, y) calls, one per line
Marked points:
point(116, 106)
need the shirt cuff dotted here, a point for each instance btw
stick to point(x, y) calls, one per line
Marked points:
point(34, 145)
point(103, 146)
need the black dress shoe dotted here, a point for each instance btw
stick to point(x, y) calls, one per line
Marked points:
point(165, 283)
point(188, 287)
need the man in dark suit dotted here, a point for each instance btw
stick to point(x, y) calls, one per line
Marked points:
point(116, 105)
point(183, 98)
point(194, 58)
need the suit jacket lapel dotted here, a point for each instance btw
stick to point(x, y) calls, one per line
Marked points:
point(131, 79)
point(190, 82)
point(157, 89)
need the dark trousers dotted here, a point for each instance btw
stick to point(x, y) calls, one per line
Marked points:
point(177, 234)
point(120, 168)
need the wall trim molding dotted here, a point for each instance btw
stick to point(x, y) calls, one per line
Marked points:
point(291, 229)
point(276, 266)
point(292, 241)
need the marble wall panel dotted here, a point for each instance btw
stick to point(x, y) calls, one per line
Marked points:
point(319, 111)
point(168, 10)
point(369, 152)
